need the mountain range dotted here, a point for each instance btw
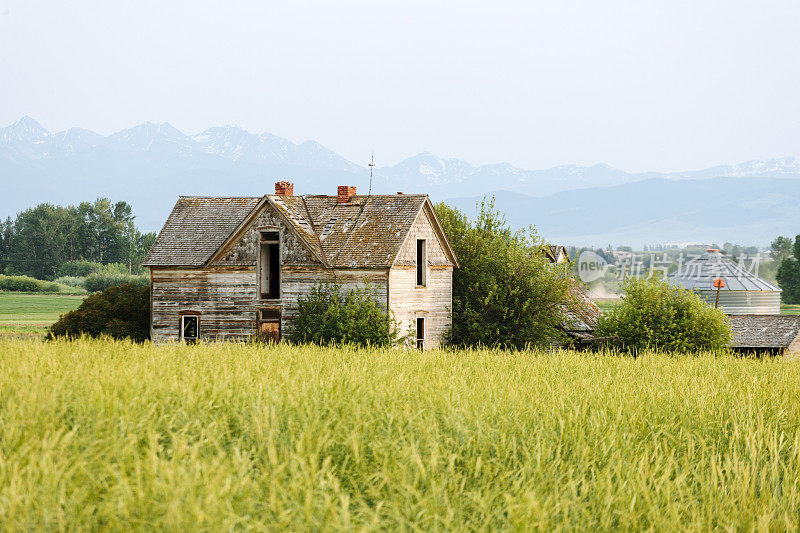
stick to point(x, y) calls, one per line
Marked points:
point(149, 165)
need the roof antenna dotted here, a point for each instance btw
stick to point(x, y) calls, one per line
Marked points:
point(371, 165)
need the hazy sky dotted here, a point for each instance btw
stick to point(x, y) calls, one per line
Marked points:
point(640, 85)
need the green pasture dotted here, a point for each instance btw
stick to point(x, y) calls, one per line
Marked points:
point(31, 313)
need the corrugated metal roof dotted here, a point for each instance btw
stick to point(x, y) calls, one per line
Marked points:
point(699, 274)
point(366, 232)
point(764, 331)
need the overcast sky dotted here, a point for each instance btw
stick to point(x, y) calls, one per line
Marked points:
point(640, 85)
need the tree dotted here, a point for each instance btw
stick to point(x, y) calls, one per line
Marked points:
point(788, 275)
point(140, 245)
point(796, 247)
point(330, 315)
point(43, 238)
point(656, 314)
point(39, 241)
point(121, 312)
point(6, 229)
point(505, 292)
point(780, 249)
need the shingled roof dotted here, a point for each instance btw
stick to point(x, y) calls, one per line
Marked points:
point(365, 232)
point(764, 331)
point(195, 229)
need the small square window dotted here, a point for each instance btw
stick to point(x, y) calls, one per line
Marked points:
point(190, 328)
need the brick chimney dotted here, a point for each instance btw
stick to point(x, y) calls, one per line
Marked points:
point(284, 188)
point(345, 192)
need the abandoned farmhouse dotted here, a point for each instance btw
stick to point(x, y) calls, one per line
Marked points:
point(231, 268)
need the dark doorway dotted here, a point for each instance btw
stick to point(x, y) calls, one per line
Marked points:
point(269, 264)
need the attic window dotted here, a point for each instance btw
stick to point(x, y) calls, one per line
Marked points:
point(422, 262)
point(269, 266)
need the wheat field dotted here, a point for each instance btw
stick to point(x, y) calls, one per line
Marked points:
point(114, 436)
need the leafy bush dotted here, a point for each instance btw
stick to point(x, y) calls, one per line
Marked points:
point(655, 314)
point(119, 312)
point(329, 315)
point(27, 284)
point(505, 293)
point(78, 269)
point(71, 281)
point(103, 280)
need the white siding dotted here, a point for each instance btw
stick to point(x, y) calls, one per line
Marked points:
point(434, 301)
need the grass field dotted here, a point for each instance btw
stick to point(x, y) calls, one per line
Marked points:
point(29, 314)
point(113, 436)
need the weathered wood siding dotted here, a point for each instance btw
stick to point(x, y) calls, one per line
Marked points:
point(226, 298)
point(243, 251)
point(793, 350)
point(434, 301)
point(225, 293)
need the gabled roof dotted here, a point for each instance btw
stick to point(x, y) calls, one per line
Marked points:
point(764, 331)
point(583, 315)
point(196, 228)
point(366, 232)
point(554, 251)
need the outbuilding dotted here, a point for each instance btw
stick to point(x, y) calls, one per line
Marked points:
point(760, 334)
point(742, 291)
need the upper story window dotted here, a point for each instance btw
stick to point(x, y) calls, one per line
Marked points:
point(422, 262)
point(269, 266)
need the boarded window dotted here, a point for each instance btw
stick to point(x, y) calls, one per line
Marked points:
point(269, 325)
point(190, 328)
point(422, 263)
point(421, 333)
point(269, 266)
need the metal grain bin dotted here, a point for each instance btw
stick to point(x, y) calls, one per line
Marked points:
point(744, 292)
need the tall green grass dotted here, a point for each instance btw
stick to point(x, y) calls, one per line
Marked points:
point(115, 436)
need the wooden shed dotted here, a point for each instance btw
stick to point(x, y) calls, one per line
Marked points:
point(232, 268)
point(766, 334)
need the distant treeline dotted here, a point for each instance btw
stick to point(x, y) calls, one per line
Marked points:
point(40, 240)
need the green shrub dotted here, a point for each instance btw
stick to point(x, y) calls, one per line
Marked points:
point(505, 293)
point(78, 269)
point(119, 312)
point(114, 268)
point(329, 315)
point(71, 281)
point(26, 284)
point(103, 280)
point(655, 314)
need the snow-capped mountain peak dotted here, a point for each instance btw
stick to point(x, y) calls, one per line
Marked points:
point(25, 129)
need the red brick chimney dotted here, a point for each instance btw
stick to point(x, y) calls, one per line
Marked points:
point(345, 193)
point(284, 188)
